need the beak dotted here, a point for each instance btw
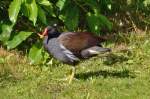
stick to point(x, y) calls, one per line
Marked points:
point(43, 34)
point(40, 35)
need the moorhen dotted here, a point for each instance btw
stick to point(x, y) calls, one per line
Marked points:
point(70, 47)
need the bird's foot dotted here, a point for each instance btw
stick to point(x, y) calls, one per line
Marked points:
point(70, 78)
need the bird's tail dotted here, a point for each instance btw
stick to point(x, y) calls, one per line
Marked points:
point(105, 38)
point(94, 51)
point(102, 38)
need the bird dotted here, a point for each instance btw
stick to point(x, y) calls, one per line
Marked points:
point(71, 47)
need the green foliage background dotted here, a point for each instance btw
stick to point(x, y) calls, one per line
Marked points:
point(20, 20)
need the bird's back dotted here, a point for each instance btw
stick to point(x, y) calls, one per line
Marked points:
point(76, 42)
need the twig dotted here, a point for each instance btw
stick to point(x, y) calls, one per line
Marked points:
point(80, 6)
point(133, 24)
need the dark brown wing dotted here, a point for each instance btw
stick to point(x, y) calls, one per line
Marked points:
point(76, 42)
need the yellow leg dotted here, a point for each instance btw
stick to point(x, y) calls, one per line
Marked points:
point(72, 75)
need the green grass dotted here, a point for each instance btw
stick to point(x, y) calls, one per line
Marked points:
point(122, 74)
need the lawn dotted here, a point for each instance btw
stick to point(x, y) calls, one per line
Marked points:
point(122, 74)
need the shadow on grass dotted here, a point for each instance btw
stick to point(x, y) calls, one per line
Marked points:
point(113, 58)
point(5, 80)
point(105, 74)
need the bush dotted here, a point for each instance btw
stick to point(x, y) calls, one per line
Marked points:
point(22, 19)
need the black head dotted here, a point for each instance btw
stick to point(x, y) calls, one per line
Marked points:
point(51, 32)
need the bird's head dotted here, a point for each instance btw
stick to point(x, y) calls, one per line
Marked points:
point(50, 31)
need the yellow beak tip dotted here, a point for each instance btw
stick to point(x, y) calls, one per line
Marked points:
point(41, 36)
